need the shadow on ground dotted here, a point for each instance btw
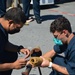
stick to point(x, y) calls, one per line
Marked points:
point(50, 17)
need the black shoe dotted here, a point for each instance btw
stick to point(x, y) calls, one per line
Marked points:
point(38, 21)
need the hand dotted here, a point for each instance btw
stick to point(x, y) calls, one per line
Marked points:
point(20, 63)
point(26, 52)
point(45, 62)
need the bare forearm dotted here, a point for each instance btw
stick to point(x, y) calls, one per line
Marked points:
point(50, 54)
point(6, 66)
point(60, 69)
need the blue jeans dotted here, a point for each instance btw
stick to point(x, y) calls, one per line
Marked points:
point(36, 8)
point(2, 7)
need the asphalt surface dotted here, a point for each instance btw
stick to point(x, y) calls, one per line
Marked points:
point(34, 34)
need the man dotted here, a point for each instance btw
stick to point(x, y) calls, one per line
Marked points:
point(11, 23)
point(65, 43)
point(36, 8)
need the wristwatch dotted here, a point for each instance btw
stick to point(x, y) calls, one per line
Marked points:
point(19, 48)
point(50, 65)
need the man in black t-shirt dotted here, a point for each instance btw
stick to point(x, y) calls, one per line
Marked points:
point(11, 23)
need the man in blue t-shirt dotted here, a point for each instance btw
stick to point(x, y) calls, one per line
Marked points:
point(11, 23)
point(65, 43)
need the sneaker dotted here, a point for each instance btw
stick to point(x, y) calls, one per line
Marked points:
point(29, 20)
point(38, 21)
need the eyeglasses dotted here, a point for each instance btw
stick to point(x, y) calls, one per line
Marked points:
point(56, 36)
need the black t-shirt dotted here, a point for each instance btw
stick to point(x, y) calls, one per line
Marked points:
point(5, 56)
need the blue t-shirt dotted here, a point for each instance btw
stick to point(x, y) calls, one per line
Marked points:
point(69, 51)
point(5, 56)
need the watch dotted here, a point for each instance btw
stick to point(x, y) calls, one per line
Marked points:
point(50, 65)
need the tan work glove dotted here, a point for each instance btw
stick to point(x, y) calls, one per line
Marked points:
point(37, 61)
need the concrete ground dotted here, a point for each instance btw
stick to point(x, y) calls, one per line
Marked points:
point(34, 34)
